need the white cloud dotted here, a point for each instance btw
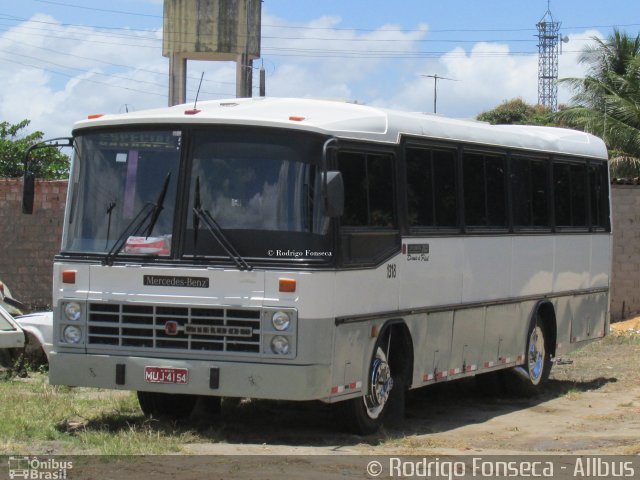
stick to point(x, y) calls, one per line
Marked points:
point(55, 74)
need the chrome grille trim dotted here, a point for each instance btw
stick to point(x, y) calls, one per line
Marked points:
point(142, 326)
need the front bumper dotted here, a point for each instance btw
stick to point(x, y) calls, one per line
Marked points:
point(236, 379)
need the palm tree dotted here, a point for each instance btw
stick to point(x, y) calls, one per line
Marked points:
point(607, 101)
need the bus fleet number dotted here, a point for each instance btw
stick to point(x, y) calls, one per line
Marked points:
point(391, 270)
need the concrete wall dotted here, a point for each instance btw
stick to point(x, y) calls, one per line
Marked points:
point(625, 276)
point(30, 242)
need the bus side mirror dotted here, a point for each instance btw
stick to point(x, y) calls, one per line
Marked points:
point(28, 192)
point(334, 200)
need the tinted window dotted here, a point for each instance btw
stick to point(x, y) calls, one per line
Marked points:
point(368, 185)
point(431, 188)
point(599, 195)
point(484, 190)
point(261, 181)
point(570, 196)
point(116, 177)
point(529, 192)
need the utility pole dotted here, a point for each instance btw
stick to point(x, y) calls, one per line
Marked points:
point(436, 77)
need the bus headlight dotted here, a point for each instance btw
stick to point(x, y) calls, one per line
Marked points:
point(72, 311)
point(72, 334)
point(280, 345)
point(281, 321)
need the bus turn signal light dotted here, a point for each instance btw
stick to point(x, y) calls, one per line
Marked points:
point(69, 276)
point(287, 285)
point(95, 115)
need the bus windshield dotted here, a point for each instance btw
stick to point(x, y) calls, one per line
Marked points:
point(116, 179)
point(261, 187)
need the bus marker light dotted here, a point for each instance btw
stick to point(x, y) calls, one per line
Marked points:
point(192, 111)
point(374, 331)
point(69, 276)
point(95, 115)
point(287, 285)
point(296, 119)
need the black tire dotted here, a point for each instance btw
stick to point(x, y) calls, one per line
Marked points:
point(166, 405)
point(528, 379)
point(33, 353)
point(384, 394)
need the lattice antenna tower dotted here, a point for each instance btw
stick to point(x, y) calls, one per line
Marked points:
point(548, 42)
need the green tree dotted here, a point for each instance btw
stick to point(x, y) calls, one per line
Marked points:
point(606, 102)
point(517, 112)
point(50, 163)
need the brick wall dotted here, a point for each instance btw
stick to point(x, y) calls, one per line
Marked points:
point(29, 242)
point(625, 275)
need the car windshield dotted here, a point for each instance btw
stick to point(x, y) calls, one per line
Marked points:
point(116, 181)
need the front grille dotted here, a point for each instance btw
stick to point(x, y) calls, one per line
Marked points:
point(143, 327)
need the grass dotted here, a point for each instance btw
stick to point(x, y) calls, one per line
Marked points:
point(38, 416)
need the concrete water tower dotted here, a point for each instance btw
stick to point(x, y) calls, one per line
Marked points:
point(226, 30)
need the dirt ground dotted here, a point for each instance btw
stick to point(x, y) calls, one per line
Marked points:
point(590, 406)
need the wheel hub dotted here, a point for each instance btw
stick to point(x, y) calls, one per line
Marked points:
point(380, 385)
point(536, 354)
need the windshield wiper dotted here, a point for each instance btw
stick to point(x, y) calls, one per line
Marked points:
point(133, 228)
point(213, 227)
point(159, 205)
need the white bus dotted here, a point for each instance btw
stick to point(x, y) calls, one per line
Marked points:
point(311, 250)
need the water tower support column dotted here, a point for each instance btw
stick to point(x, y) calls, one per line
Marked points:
point(177, 80)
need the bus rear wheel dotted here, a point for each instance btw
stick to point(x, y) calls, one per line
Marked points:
point(538, 358)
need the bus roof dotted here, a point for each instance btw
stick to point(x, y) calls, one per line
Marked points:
point(361, 122)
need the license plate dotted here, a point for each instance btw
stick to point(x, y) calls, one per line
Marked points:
point(166, 375)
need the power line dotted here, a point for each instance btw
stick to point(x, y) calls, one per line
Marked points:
point(121, 12)
point(346, 29)
point(276, 37)
point(323, 52)
point(130, 67)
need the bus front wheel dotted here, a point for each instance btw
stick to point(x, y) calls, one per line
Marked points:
point(176, 407)
point(365, 415)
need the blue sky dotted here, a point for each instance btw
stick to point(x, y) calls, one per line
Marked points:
point(64, 59)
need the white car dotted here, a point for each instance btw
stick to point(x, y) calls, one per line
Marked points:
point(38, 329)
point(11, 336)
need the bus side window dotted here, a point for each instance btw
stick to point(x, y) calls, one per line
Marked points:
point(484, 190)
point(431, 188)
point(369, 232)
point(599, 198)
point(529, 188)
point(369, 192)
point(570, 195)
